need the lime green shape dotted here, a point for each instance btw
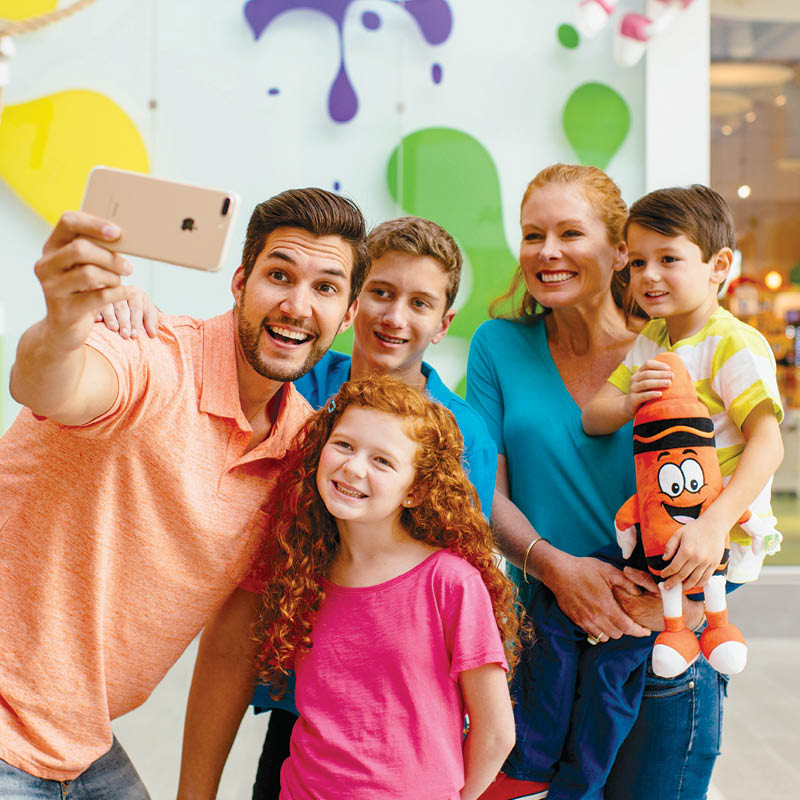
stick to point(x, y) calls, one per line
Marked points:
point(448, 176)
point(596, 120)
point(568, 36)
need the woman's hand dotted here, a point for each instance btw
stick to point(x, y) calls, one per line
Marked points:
point(584, 589)
point(129, 317)
point(645, 606)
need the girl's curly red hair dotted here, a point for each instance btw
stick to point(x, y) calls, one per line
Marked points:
point(306, 537)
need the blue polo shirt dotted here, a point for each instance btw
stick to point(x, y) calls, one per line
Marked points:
point(320, 383)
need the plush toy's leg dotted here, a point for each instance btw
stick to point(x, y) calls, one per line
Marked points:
point(676, 646)
point(722, 642)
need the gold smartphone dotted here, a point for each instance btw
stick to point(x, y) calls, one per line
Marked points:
point(163, 220)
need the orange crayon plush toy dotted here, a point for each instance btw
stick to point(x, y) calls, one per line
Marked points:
point(677, 478)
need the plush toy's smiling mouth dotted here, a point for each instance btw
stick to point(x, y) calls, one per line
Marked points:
point(683, 514)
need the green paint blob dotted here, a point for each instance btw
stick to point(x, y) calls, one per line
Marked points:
point(568, 36)
point(794, 274)
point(446, 175)
point(596, 121)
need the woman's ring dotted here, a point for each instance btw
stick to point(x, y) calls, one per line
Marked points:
point(592, 639)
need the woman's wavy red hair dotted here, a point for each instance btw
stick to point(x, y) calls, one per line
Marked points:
point(306, 537)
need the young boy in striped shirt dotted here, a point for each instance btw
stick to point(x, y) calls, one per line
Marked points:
point(680, 245)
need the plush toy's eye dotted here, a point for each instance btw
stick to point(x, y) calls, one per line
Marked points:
point(693, 474)
point(670, 479)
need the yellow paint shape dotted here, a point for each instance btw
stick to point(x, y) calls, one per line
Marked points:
point(25, 9)
point(49, 145)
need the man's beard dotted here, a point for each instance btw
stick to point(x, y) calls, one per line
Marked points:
point(249, 336)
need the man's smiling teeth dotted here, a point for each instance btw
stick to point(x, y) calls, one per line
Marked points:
point(555, 277)
point(390, 339)
point(348, 492)
point(288, 333)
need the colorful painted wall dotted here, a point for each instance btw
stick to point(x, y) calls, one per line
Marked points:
point(442, 108)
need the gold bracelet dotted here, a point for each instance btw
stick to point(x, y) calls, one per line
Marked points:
point(527, 553)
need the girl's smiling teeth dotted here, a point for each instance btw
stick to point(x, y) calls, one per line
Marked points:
point(555, 277)
point(347, 490)
point(289, 335)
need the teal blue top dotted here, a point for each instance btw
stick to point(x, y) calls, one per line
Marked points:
point(569, 485)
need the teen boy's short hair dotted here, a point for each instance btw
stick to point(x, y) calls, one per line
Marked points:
point(697, 212)
point(419, 237)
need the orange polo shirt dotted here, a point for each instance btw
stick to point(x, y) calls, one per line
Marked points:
point(119, 539)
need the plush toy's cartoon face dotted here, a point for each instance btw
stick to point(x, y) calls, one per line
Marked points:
point(676, 485)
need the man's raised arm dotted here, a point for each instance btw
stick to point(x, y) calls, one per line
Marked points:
point(56, 374)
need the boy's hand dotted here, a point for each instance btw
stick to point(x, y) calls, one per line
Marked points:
point(646, 384)
point(128, 317)
point(696, 550)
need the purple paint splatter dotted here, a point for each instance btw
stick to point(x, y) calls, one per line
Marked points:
point(273, 90)
point(436, 73)
point(370, 20)
point(336, 186)
point(434, 18)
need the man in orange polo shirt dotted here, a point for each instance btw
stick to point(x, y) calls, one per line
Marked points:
point(131, 484)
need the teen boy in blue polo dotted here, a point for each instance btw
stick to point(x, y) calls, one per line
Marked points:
point(405, 306)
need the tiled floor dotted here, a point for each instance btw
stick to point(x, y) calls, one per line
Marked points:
point(761, 737)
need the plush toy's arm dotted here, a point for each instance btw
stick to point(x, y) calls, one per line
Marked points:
point(625, 523)
point(765, 538)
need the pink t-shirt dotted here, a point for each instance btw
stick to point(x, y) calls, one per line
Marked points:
point(381, 711)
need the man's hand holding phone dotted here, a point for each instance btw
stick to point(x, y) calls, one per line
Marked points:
point(79, 277)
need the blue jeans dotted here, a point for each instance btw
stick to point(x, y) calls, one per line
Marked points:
point(111, 776)
point(670, 752)
point(593, 717)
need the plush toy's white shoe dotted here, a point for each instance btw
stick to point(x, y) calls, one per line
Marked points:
point(723, 644)
point(669, 663)
point(674, 651)
point(729, 657)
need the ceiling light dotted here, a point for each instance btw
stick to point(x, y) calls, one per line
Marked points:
point(773, 280)
point(744, 191)
point(726, 130)
point(780, 100)
point(750, 116)
point(748, 74)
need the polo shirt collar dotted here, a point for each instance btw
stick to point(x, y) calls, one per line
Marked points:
point(220, 392)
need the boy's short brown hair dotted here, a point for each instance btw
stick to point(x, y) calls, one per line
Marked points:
point(697, 212)
point(419, 237)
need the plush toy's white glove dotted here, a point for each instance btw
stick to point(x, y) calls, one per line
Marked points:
point(626, 539)
point(765, 538)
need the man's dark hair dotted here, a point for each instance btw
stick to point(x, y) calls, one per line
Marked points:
point(317, 211)
point(696, 212)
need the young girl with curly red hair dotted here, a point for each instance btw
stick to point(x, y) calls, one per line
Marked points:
point(386, 599)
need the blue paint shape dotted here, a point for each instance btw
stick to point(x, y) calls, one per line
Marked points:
point(370, 20)
point(273, 90)
point(436, 73)
point(336, 186)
